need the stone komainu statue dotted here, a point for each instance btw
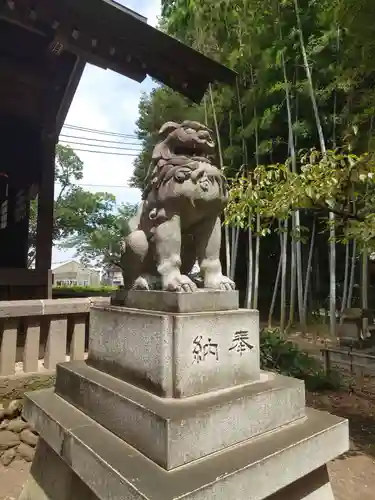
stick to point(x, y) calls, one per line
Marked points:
point(178, 220)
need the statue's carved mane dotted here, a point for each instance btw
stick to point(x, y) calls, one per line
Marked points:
point(184, 151)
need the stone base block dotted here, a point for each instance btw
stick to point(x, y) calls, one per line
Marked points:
point(181, 302)
point(173, 432)
point(66, 485)
point(278, 463)
point(176, 355)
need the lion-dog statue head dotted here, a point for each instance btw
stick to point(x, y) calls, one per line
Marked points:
point(182, 173)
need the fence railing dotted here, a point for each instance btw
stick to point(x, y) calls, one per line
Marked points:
point(37, 334)
point(356, 363)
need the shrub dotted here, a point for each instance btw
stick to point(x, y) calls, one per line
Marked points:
point(81, 291)
point(282, 356)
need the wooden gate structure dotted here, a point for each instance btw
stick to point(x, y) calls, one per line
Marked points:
point(44, 46)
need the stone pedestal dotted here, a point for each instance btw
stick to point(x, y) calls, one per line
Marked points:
point(172, 404)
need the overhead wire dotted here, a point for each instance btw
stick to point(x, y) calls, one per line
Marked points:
point(119, 148)
point(99, 140)
point(100, 146)
point(104, 152)
point(114, 186)
point(98, 131)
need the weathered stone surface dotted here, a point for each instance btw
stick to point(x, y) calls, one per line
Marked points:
point(173, 432)
point(105, 463)
point(2, 414)
point(66, 306)
point(4, 424)
point(13, 308)
point(8, 439)
point(8, 456)
point(14, 408)
point(26, 452)
point(180, 213)
point(62, 484)
point(17, 425)
point(28, 437)
point(182, 302)
point(176, 355)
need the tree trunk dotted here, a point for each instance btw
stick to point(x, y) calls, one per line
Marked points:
point(307, 280)
point(364, 291)
point(293, 277)
point(283, 275)
point(257, 240)
point(352, 274)
point(346, 284)
point(249, 290)
point(275, 288)
point(256, 271)
point(221, 161)
point(235, 239)
point(332, 233)
point(297, 258)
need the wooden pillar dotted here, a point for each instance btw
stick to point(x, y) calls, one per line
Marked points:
point(45, 221)
point(14, 254)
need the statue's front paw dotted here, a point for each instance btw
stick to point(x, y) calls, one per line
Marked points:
point(179, 283)
point(141, 283)
point(219, 282)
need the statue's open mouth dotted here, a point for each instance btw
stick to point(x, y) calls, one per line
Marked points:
point(201, 150)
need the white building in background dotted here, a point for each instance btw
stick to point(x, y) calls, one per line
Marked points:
point(73, 273)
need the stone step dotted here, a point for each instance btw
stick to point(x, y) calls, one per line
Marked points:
point(252, 470)
point(173, 432)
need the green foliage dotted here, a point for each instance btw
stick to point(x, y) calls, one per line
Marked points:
point(82, 291)
point(282, 356)
point(99, 239)
point(256, 38)
point(85, 289)
point(338, 182)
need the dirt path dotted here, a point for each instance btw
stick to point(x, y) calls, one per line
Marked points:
point(353, 478)
point(12, 479)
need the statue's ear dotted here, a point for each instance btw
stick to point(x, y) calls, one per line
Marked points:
point(195, 125)
point(168, 127)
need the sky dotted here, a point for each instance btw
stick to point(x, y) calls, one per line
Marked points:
point(107, 101)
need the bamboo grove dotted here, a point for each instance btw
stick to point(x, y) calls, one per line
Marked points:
point(296, 139)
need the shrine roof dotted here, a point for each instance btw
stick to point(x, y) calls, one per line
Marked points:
point(109, 35)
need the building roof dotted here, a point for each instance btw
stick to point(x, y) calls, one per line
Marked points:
point(57, 265)
point(109, 35)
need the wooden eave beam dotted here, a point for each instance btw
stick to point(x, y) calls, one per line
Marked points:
point(62, 28)
point(128, 45)
point(123, 64)
point(69, 93)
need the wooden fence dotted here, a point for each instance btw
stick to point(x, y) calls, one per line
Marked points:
point(357, 363)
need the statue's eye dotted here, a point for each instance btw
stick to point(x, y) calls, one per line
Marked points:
point(180, 176)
